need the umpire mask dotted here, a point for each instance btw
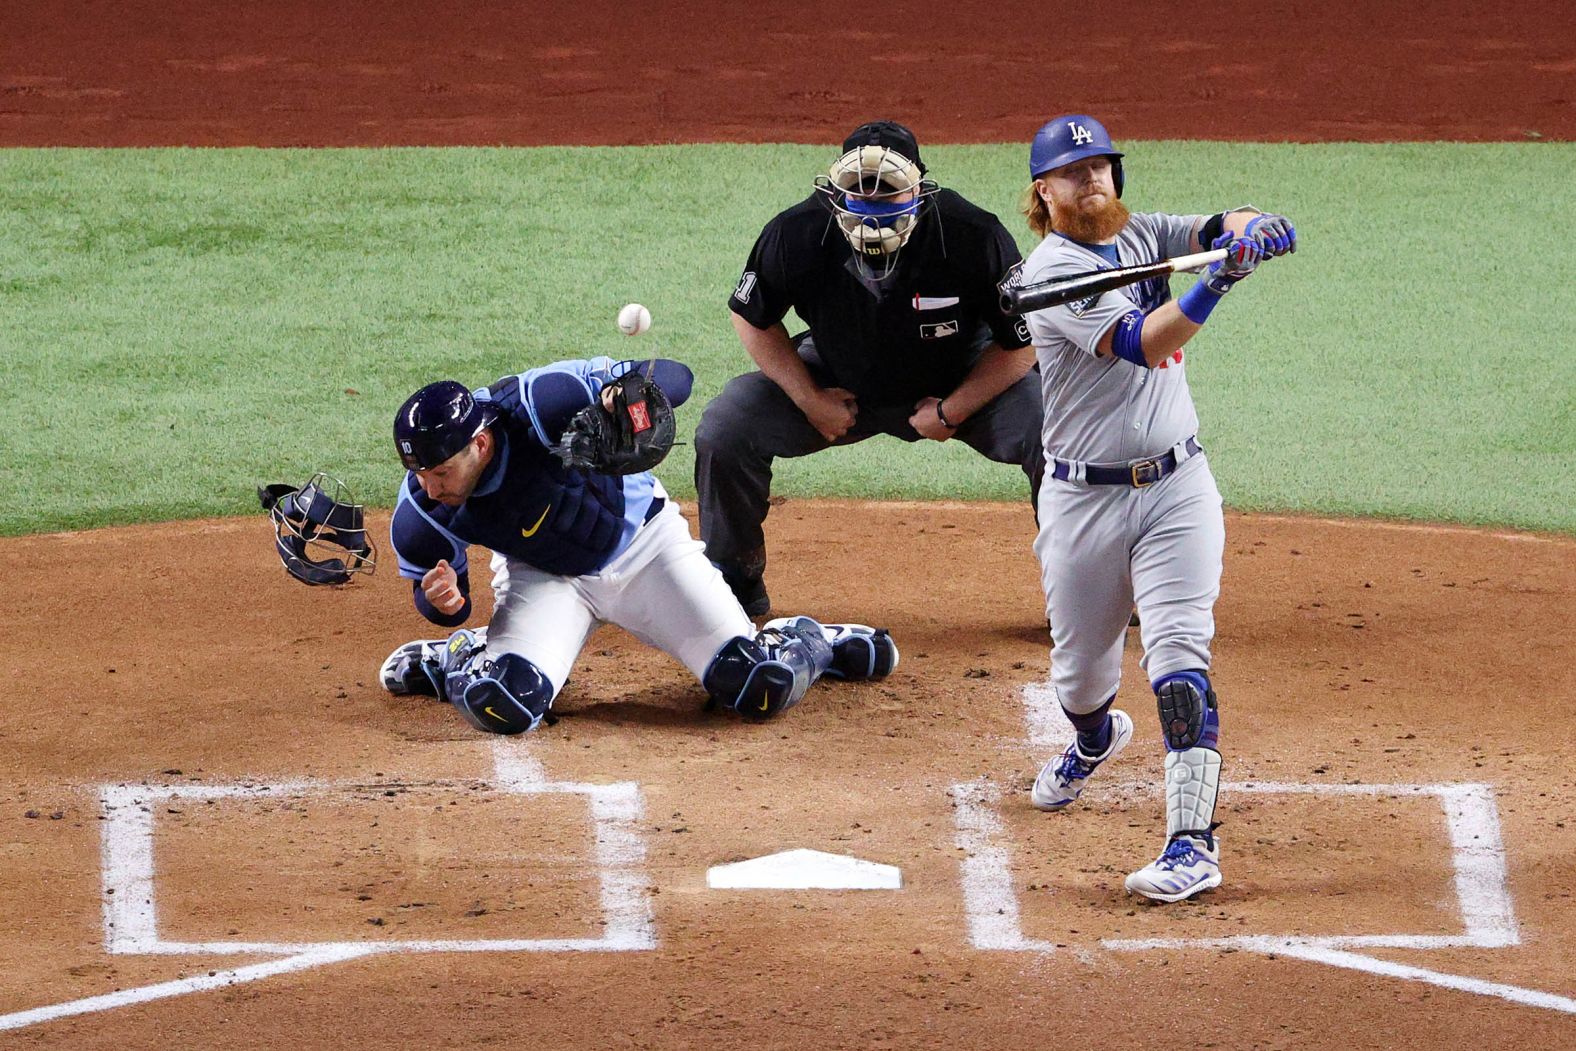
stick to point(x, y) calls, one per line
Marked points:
point(876, 191)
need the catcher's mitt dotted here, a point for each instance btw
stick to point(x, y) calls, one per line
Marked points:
point(633, 436)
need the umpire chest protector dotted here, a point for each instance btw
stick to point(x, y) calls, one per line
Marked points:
point(890, 342)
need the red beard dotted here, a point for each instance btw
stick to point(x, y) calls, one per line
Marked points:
point(1090, 227)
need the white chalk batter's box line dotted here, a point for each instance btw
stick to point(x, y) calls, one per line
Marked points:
point(131, 912)
point(1477, 853)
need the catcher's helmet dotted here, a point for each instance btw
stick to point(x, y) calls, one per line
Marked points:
point(1073, 137)
point(438, 421)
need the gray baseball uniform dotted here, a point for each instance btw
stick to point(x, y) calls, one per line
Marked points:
point(1104, 547)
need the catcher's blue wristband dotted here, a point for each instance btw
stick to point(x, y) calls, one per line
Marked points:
point(1198, 301)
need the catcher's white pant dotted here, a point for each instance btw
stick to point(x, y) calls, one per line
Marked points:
point(1105, 548)
point(662, 590)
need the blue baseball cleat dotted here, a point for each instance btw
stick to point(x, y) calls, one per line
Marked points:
point(1189, 864)
point(1062, 779)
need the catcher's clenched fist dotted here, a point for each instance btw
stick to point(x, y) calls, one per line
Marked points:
point(441, 586)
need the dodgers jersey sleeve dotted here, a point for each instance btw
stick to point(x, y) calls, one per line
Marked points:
point(1175, 234)
point(1083, 322)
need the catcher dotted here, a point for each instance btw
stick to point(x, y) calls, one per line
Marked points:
point(551, 470)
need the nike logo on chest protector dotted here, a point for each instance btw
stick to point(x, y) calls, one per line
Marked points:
point(528, 533)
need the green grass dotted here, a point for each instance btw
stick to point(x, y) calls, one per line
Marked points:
point(180, 325)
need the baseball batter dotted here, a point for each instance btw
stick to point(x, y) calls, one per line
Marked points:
point(1129, 512)
point(574, 547)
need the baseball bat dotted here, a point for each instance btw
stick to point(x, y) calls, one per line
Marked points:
point(1021, 299)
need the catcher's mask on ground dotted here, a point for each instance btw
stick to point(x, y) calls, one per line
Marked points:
point(318, 530)
point(877, 193)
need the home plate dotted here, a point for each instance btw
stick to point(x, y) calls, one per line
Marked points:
point(805, 870)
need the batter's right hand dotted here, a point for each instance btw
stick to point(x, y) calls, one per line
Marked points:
point(441, 585)
point(831, 410)
point(1242, 258)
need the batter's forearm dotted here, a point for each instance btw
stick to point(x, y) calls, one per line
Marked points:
point(773, 353)
point(993, 373)
point(1236, 223)
point(1166, 331)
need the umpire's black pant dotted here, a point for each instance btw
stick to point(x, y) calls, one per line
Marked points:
point(752, 422)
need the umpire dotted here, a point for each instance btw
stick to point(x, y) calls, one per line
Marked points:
point(896, 279)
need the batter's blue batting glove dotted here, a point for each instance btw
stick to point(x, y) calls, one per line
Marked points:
point(1243, 255)
point(1274, 233)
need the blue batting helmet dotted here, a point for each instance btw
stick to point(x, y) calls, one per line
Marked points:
point(436, 422)
point(1073, 137)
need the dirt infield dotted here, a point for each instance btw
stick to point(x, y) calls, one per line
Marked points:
point(1349, 654)
point(219, 831)
point(294, 73)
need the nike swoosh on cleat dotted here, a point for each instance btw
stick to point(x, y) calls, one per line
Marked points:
point(528, 533)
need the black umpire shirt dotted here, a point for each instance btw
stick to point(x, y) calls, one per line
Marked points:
point(919, 336)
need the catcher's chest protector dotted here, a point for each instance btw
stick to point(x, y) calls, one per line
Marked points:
point(561, 521)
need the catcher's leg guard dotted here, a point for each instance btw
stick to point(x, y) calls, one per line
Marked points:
point(770, 673)
point(509, 695)
point(859, 652)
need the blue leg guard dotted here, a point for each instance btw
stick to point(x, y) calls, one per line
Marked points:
point(507, 696)
point(760, 677)
point(1189, 716)
point(1190, 721)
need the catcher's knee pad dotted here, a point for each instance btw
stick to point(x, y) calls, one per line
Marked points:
point(507, 696)
point(770, 673)
point(1189, 717)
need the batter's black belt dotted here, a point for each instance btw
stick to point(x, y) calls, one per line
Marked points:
point(1140, 474)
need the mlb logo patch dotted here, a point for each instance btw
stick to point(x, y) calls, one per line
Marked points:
point(639, 416)
point(939, 330)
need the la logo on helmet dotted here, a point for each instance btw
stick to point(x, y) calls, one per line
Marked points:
point(1081, 134)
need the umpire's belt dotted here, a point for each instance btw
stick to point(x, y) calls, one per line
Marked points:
point(1140, 474)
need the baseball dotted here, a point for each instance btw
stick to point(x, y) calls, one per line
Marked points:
point(633, 319)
